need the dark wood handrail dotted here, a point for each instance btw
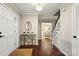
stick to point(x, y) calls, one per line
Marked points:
point(56, 22)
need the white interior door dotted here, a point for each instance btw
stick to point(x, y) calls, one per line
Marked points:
point(77, 29)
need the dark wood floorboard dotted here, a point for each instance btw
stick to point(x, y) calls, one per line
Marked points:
point(40, 50)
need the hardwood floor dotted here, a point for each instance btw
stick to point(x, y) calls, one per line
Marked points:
point(45, 48)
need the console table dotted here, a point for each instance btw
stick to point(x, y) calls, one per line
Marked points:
point(27, 38)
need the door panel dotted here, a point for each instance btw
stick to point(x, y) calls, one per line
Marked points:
point(11, 32)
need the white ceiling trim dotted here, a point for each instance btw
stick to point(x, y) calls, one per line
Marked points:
point(6, 5)
point(29, 13)
point(12, 6)
point(19, 11)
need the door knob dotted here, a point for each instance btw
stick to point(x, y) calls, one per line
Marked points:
point(0, 32)
point(1, 35)
point(74, 36)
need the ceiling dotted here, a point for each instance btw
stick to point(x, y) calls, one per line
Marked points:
point(30, 8)
point(47, 13)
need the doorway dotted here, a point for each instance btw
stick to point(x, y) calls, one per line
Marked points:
point(46, 30)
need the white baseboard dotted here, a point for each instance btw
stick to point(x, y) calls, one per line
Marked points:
point(60, 49)
point(7, 51)
point(11, 50)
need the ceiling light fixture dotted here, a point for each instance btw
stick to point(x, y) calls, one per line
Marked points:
point(39, 6)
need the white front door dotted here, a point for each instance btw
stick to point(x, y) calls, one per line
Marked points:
point(3, 33)
point(9, 37)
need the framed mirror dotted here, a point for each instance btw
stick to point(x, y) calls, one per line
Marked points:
point(28, 26)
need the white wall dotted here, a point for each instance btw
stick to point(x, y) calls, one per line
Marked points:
point(34, 21)
point(63, 39)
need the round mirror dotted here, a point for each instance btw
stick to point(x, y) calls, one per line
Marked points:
point(28, 26)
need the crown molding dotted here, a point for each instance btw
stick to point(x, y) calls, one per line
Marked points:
point(19, 11)
point(13, 7)
point(29, 13)
point(10, 7)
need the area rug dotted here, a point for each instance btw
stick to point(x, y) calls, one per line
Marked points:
point(22, 52)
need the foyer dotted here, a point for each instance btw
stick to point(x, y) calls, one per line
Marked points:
point(39, 29)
